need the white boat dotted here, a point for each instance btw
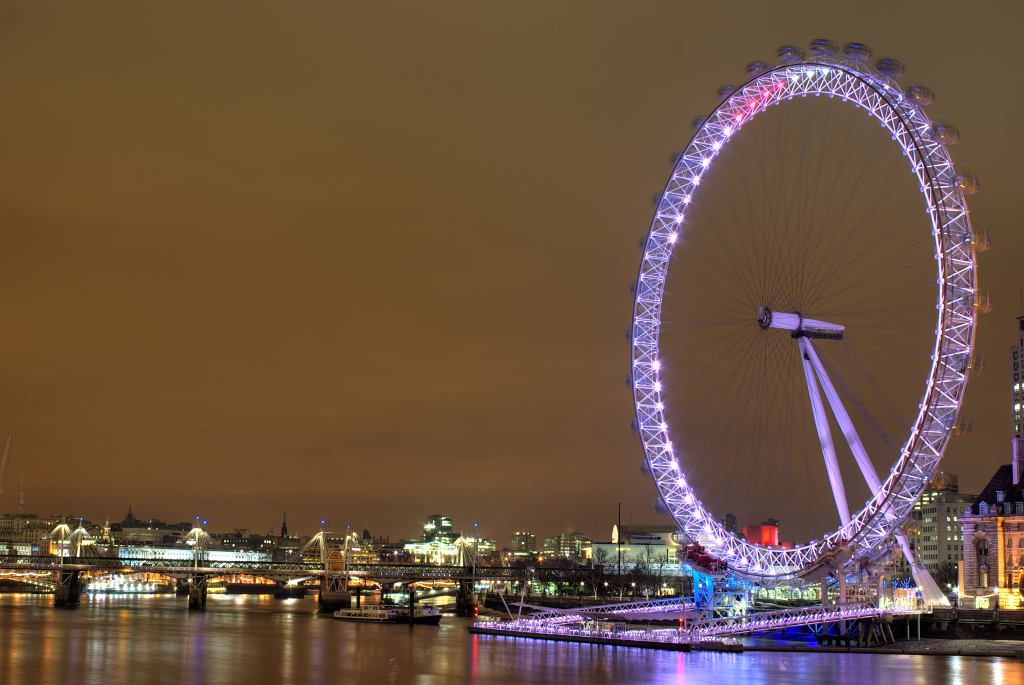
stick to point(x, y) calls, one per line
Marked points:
point(380, 613)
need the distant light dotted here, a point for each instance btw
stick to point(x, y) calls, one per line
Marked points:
point(656, 365)
point(672, 238)
point(705, 162)
point(716, 146)
point(657, 386)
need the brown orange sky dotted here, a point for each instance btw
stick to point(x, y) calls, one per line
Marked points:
point(370, 261)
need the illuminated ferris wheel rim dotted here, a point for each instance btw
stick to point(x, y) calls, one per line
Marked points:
point(924, 144)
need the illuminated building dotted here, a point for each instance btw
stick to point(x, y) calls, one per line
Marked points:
point(442, 545)
point(524, 545)
point(439, 528)
point(1017, 392)
point(993, 527)
point(27, 529)
point(183, 552)
point(653, 545)
point(570, 544)
point(936, 533)
point(993, 542)
point(729, 523)
point(765, 534)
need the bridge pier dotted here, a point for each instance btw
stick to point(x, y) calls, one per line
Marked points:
point(465, 599)
point(333, 594)
point(68, 591)
point(197, 593)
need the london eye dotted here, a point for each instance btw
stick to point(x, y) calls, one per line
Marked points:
point(805, 311)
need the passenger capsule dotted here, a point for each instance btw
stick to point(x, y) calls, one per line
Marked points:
point(921, 95)
point(756, 68)
point(823, 47)
point(945, 134)
point(980, 241)
point(857, 52)
point(698, 121)
point(726, 91)
point(887, 66)
point(967, 183)
point(789, 53)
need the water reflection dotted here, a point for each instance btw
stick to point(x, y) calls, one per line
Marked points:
point(154, 639)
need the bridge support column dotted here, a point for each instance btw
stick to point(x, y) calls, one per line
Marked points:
point(197, 593)
point(465, 599)
point(69, 589)
point(333, 594)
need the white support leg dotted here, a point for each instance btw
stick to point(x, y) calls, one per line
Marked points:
point(929, 588)
point(860, 455)
point(828, 449)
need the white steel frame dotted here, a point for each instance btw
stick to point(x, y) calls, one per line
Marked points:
point(867, 530)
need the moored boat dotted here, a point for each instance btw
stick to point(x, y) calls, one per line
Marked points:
point(378, 613)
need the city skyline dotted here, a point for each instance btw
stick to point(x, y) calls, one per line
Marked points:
point(206, 316)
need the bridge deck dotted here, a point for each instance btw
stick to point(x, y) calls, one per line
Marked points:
point(274, 569)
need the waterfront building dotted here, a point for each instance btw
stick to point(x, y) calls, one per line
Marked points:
point(524, 545)
point(992, 570)
point(936, 532)
point(27, 529)
point(993, 542)
point(730, 523)
point(183, 552)
point(651, 545)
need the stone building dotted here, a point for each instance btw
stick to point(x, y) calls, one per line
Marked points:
point(993, 535)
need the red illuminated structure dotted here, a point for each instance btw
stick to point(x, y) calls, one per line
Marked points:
point(765, 534)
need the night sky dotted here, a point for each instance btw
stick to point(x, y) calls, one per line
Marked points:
point(371, 261)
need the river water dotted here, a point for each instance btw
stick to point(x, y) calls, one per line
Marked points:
point(144, 640)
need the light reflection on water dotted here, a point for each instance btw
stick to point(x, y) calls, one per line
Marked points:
point(244, 639)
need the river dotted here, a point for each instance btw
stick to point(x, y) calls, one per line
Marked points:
point(146, 640)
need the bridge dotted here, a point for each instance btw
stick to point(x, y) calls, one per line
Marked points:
point(317, 558)
point(333, 573)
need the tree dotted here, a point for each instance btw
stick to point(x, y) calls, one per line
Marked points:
point(948, 575)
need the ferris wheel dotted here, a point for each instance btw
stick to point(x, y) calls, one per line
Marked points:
point(814, 306)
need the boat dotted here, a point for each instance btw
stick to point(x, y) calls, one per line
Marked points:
point(378, 613)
